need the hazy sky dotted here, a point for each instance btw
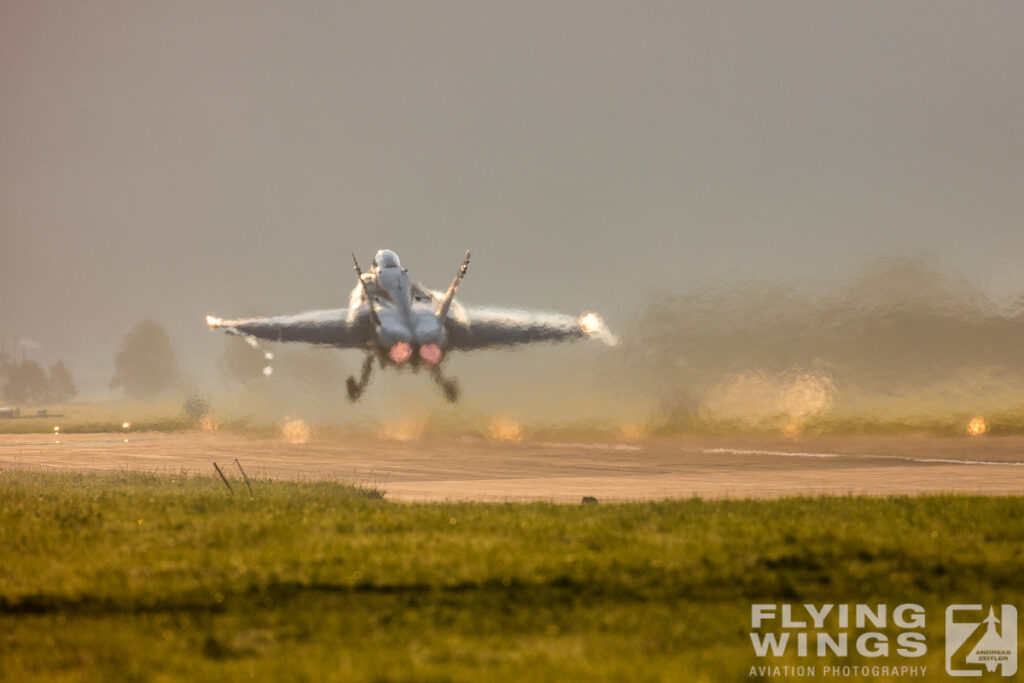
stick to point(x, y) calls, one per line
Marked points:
point(173, 159)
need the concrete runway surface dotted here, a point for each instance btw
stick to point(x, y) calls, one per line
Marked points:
point(474, 468)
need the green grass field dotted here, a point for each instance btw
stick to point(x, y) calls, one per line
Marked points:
point(142, 577)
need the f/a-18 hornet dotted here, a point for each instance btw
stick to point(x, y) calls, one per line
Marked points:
point(402, 324)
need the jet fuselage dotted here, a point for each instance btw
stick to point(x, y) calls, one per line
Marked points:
point(409, 329)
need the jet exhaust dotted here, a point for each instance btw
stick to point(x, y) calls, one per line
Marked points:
point(400, 352)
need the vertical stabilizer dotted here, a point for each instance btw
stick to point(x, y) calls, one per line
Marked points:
point(446, 303)
point(369, 300)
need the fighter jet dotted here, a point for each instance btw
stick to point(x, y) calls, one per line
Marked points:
point(401, 324)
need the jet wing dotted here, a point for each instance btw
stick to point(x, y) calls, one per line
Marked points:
point(331, 327)
point(477, 328)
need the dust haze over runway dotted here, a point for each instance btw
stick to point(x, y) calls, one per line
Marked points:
point(478, 469)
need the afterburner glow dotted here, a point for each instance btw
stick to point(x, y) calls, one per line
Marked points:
point(400, 352)
point(431, 353)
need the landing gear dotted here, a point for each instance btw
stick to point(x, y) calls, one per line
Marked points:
point(355, 389)
point(449, 387)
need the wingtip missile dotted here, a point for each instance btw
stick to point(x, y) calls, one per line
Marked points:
point(216, 323)
point(594, 326)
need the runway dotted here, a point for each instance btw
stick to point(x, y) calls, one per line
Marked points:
point(478, 469)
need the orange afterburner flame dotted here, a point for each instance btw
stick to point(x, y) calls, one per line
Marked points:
point(400, 352)
point(431, 353)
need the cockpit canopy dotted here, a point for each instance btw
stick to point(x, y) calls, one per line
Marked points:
point(386, 258)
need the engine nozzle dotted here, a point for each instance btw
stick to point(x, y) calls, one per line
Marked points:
point(400, 352)
point(431, 353)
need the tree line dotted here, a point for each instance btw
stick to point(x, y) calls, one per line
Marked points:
point(29, 382)
point(145, 365)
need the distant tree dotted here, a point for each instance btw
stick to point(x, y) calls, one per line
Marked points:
point(60, 386)
point(145, 365)
point(26, 382)
point(196, 406)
